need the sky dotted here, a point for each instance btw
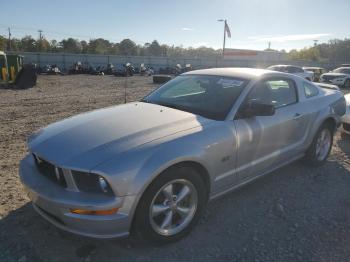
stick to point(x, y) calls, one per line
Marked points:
point(287, 24)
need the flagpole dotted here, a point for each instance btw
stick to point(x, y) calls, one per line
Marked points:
point(223, 47)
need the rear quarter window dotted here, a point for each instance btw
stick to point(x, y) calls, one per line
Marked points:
point(310, 90)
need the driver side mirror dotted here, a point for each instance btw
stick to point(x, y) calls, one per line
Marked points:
point(254, 108)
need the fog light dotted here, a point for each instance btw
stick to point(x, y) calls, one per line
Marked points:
point(103, 184)
point(94, 212)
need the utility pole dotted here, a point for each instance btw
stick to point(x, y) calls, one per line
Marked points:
point(40, 38)
point(9, 40)
point(269, 46)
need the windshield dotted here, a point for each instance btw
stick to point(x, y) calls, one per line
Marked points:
point(342, 70)
point(206, 95)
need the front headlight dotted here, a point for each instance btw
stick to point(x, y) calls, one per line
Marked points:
point(92, 183)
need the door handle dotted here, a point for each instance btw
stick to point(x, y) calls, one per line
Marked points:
point(297, 116)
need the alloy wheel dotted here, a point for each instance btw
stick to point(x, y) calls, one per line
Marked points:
point(173, 207)
point(323, 144)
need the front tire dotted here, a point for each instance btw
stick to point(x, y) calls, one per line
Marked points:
point(171, 206)
point(321, 146)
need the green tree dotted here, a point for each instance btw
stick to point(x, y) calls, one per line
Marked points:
point(3, 43)
point(54, 46)
point(71, 45)
point(84, 47)
point(127, 47)
point(99, 46)
point(154, 48)
point(28, 44)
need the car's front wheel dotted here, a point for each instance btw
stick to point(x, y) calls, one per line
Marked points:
point(321, 146)
point(171, 205)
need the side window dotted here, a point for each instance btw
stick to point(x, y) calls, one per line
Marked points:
point(310, 90)
point(277, 92)
point(290, 70)
point(298, 70)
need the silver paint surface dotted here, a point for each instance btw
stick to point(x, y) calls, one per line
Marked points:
point(130, 145)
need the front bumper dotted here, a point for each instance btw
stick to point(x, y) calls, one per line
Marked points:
point(335, 81)
point(54, 203)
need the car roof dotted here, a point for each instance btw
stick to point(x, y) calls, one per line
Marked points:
point(343, 67)
point(312, 67)
point(285, 66)
point(247, 73)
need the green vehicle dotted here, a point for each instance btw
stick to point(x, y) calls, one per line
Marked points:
point(13, 73)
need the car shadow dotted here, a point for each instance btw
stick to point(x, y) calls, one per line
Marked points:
point(294, 213)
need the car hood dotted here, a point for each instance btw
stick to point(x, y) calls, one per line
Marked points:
point(86, 140)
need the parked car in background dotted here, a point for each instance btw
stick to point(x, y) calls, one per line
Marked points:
point(328, 86)
point(151, 166)
point(339, 77)
point(345, 128)
point(318, 71)
point(295, 70)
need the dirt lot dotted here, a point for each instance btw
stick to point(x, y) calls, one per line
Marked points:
point(297, 213)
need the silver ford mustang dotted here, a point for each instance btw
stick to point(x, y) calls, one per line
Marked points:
point(151, 166)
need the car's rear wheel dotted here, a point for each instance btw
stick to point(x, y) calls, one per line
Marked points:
point(347, 83)
point(321, 146)
point(171, 205)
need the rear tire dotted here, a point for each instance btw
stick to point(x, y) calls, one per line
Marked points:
point(171, 206)
point(320, 147)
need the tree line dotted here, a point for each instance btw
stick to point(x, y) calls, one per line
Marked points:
point(103, 46)
point(333, 50)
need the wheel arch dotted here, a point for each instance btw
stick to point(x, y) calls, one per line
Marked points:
point(331, 122)
point(204, 175)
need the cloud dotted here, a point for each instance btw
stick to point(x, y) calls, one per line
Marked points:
point(187, 29)
point(287, 38)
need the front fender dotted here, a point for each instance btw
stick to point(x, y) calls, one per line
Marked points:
point(131, 172)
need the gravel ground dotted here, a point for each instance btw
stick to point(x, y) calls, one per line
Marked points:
point(296, 213)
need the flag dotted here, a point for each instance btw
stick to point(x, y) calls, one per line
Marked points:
point(227, 30)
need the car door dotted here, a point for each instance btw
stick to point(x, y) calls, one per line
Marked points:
point(267, 141)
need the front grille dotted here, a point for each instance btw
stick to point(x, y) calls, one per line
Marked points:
point(346, 127)
point(53, 173)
